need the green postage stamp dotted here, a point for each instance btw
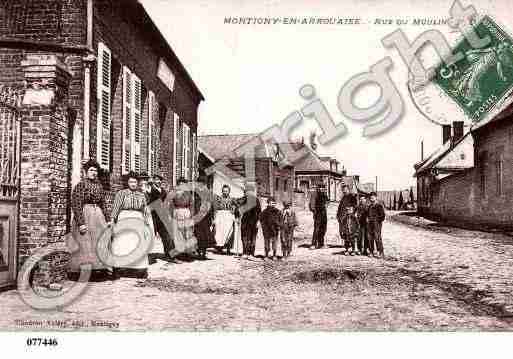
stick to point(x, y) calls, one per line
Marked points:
point(479, 80)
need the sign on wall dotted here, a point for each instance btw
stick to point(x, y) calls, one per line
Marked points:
point(165, 75)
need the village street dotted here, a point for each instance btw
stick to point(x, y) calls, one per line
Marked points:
point(431, 279)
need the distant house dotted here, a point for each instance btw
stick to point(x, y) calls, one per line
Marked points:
point(478, 189)
point(272, 176)
point(455, 156)
point(312, 169)
point(219, 175)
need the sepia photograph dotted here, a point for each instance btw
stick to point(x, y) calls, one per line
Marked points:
point(255, 166)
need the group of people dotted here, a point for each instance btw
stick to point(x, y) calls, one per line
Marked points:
point(360, 222)
point(192, 219)
point(187, 222)
point(235, 225)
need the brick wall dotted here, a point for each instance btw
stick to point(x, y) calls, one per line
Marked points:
point(60, 21)
point(135, 48)
point(459, 198)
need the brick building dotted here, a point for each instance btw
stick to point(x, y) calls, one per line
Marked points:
point(313, 169)
point(479, 193)
point(98, 80)
point(272, 178)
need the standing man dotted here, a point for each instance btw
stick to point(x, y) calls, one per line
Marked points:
point(375, 218)
point(249, 206)
point(348, 200)
point(318, 207)
point(157, 192)
point(362, 212)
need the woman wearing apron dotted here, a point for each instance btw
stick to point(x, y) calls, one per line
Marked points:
point(133, 232)
point(89, 223)
point(224, 220)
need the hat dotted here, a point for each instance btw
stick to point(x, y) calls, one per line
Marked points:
point(287, 202)
point(373, 194)
point(155, 175)
point(271, 199)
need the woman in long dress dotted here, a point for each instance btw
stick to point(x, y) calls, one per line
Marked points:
point(133, 233)
point(89, 223)
point(224, 220)
point(182, 204)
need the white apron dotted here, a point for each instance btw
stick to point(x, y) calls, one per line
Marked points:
point(224, 226)
point(124, 243)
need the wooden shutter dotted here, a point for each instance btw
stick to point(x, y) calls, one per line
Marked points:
point(127, 119)
point(194, 161)
point(152, 136)
point(186, 151)
point(136, 123)
point(175, 148)
point(103, 86)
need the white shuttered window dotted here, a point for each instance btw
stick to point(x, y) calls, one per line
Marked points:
point(132, 121)
point(103, 104)
point(136, 124)
point(186, 141)
point(152, 135)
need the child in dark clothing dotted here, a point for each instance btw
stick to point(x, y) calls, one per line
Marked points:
point(351, 230)
point(271, 221)
point(287, 232)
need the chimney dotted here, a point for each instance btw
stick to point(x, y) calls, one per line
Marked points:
point(458, 130)
point(446, 133)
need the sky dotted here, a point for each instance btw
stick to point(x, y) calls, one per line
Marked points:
point(250, 75)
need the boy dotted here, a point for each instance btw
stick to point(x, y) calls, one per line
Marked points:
point(287, 233)
point(351, 230)
point(270, 219)
point(375, 218)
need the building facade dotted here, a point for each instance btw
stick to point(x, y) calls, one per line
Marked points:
point(481, 194)
point(96, 80)
point(271, 177)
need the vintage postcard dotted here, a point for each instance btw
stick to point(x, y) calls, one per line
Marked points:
point(255, 166)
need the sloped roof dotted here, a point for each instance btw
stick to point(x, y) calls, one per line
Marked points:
point(135, 10)
point(224, 146)
point(439, 154)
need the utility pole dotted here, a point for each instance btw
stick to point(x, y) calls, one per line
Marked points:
point(376, 184)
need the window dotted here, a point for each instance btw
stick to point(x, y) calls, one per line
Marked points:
point(499, 169)
point(153, 110)
point(482, 172)
point(132, 121)
point(103, 87)
point(277, 185)
point(285, 185)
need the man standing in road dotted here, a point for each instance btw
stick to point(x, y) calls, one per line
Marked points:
point(318, 205)
point(375, 218)
point(348, 200)
point(250, 209)
point(363, 239)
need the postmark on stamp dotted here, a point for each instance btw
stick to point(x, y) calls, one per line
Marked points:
point(479, 81)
